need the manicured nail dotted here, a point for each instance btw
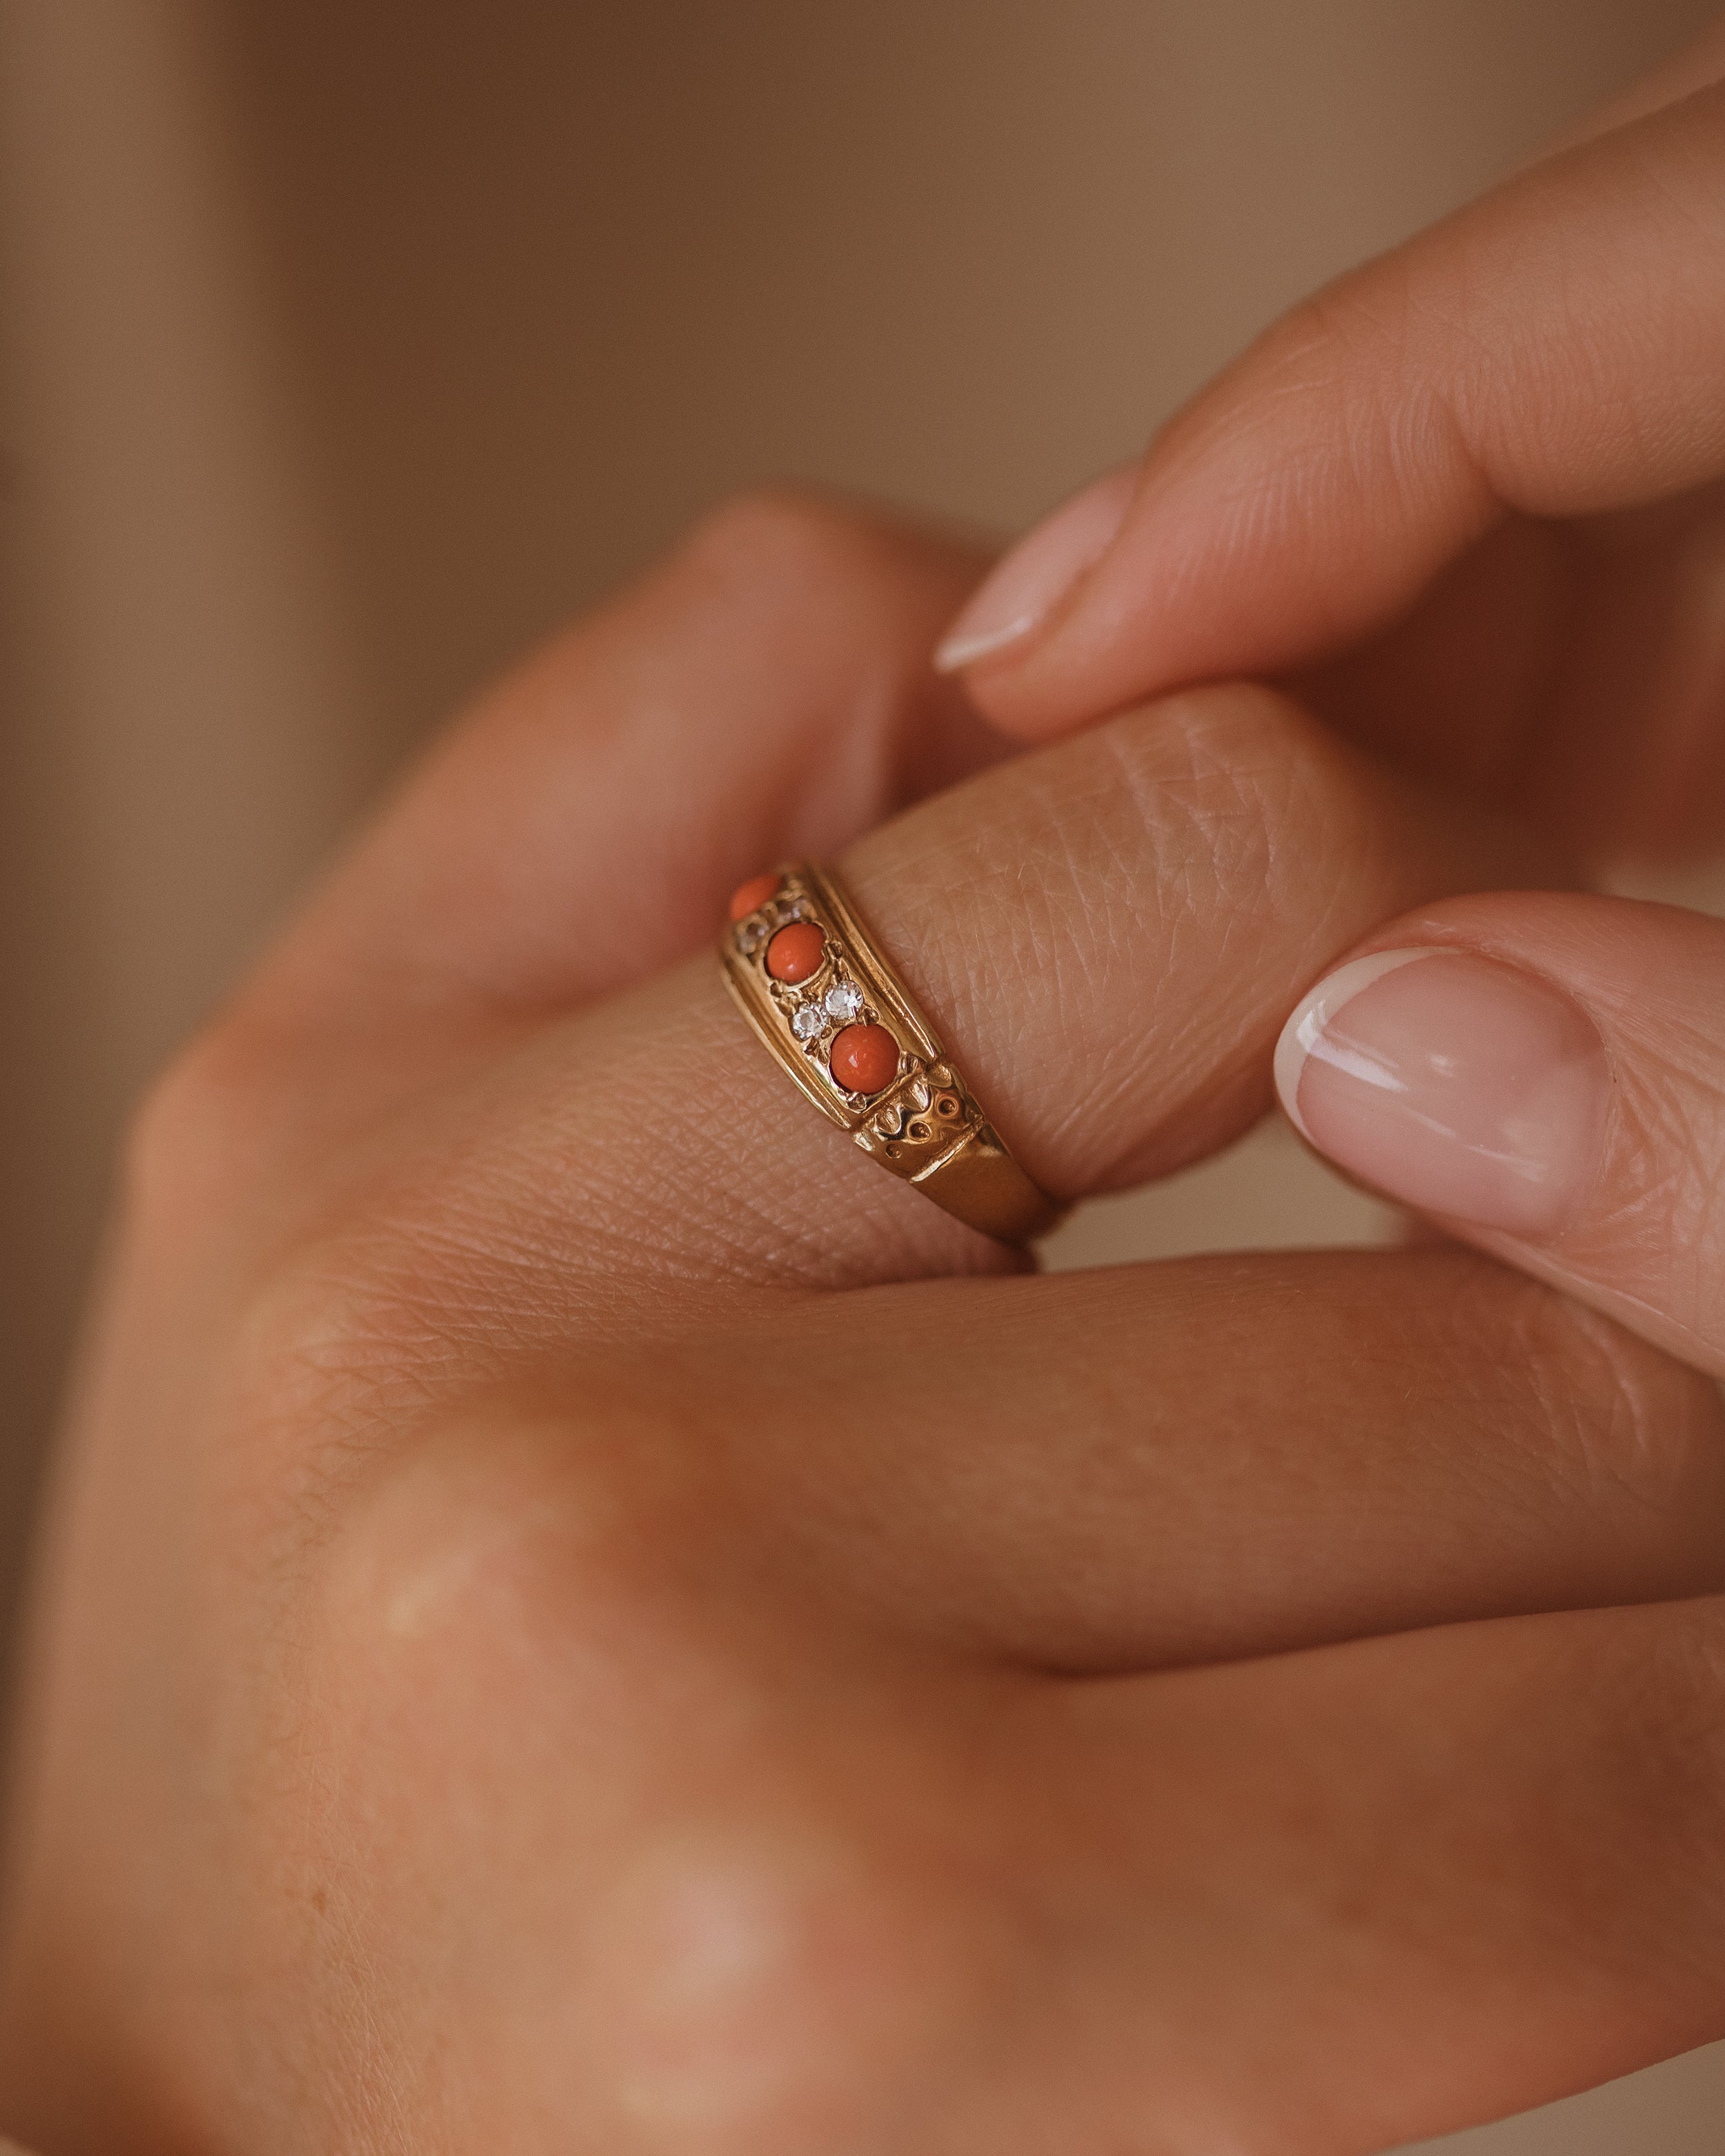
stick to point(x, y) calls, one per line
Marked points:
point(1462, 1088)
point(1029, 583)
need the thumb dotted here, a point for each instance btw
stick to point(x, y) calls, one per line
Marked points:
point(1544, 1075)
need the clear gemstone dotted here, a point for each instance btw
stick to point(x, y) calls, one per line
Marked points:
point(807, 1020)
point(843, 1001)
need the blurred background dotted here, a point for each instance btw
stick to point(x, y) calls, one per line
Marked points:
point(346, 347)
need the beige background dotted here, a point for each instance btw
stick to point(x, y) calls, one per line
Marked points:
point(348, 346)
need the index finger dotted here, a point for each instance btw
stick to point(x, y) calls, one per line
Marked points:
point(1555, 348)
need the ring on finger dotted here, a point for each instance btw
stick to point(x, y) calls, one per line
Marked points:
point(829, 1003)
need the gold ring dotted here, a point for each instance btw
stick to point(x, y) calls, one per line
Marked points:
point(828, 1001)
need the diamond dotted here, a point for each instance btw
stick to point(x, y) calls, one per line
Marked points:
point(807, 1020)
point(843, 1001)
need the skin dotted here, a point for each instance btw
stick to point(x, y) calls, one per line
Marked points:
point(1473, 497)
point(579, 1615)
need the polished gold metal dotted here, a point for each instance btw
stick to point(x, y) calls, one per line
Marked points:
point(926, 1127)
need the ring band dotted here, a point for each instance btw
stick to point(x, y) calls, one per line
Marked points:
point(829, 1003)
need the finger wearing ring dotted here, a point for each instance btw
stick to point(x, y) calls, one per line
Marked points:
point(829, 1003)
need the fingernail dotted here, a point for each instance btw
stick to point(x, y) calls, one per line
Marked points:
point(1025, 588)
point(1460, 1086)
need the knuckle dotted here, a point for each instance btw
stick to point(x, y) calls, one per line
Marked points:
point(772, 1988)
point(515, 1523)
point(406, 1449)
point(1342, 356)
point(595, 1549)
point(1234, 756)
point(766, 1959)
point(1327, 842)
point(1229, 789)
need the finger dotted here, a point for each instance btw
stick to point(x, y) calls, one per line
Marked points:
point(1480, 1863)
point(1050, 1471)
point(1545, 1074)
point(763, 691)
point(788, 1886)
point(1551, 349)
point(1694, 66)
point(1064, 920)
point(1572, 671)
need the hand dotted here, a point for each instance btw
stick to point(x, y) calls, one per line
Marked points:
point(1476, 491)
point(581, 1616)
point(1471, 494)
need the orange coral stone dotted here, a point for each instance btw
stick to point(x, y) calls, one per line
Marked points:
point(795, 952)
point(865, 1058)
point(748, 898)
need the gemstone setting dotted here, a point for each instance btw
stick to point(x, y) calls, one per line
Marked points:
point(864, 1059)
point(750, 898)
point(796, 952)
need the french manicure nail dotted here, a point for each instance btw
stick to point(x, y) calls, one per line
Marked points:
point(1025, 588)
point(1460, 1086)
